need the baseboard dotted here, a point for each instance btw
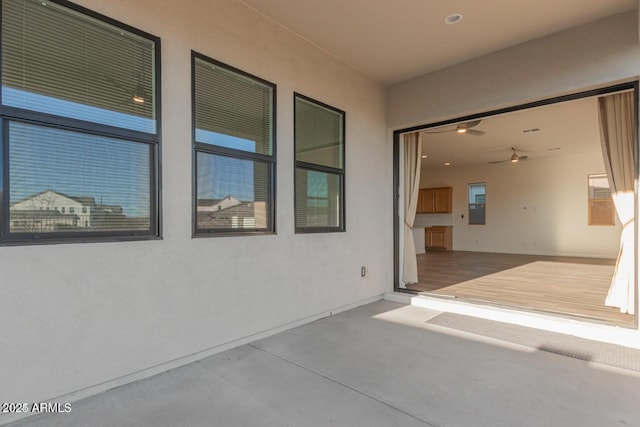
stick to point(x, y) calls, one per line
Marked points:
point(185, 360)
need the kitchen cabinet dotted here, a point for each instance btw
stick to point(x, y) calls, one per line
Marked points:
point(434, 200)
point(438, 238)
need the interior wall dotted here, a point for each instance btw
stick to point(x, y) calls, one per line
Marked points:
point(538, 206)
point(77, 315)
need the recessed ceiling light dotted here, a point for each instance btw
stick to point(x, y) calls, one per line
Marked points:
point(454, 18)
point(447, 164)
point(424, 156)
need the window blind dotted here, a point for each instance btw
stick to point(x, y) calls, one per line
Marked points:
point(90, 71)
point(318, 134)
point(232, 110)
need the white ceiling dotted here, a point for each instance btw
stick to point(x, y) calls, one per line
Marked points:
point(570, 126)
point(393, 40)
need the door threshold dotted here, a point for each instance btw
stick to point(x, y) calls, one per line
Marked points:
point(578, 327)
point(552, 313)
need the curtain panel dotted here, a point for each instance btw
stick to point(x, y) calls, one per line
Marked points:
point(412, 159)
point(617, 127)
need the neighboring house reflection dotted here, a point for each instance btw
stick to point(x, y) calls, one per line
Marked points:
point(51, 211)
point(231, 213)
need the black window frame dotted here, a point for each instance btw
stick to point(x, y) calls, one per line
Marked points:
point(340, 172)
point(9, 114)
point(200, 147)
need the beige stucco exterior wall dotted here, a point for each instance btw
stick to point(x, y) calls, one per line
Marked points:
point(594, 55)
point(79, 315)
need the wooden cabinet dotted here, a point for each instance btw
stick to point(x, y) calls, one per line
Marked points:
point(434, 200)
point(426, 200)
point(438, 238)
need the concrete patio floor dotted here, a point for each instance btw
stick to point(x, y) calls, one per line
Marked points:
point(383, 364)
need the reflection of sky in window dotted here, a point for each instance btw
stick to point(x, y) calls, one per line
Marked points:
point(227, 141)
point(46, 104)
point(112, 171)
point(220, 176)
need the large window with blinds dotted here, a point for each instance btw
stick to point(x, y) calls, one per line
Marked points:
point(234, 150)
point(319, 176)
point(80, 118)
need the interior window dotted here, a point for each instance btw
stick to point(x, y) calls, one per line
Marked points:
point(477, 203)
point(601, 208)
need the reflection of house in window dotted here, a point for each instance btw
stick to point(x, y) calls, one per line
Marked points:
point(45, 212)
point(51, 211)
point(231, 213)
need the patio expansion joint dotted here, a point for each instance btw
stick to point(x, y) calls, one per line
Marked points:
point(344, 385)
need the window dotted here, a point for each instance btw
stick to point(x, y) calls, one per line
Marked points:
point(477, 203)
point(234, 150)
point(79, 110)
point(601, 208)
point(319, 176)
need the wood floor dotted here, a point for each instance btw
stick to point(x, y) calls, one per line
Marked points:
point(562, 285)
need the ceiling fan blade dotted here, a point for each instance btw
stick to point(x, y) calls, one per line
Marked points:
point(499, 161)
point(438, 131)
point(464, 127)
point(472, 123)
point(522, 158)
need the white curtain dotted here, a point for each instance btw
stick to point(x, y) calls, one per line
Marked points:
point(412, 158)
point(617, 136)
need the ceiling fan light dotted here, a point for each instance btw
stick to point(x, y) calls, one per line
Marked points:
point(139, 94)
point(461, 130)
point(454, 18)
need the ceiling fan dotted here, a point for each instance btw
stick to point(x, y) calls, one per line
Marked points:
point(465, 128)
point(515, 158)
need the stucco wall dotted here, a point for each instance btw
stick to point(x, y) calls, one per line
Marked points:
point(584, 57)
point(76, 315)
